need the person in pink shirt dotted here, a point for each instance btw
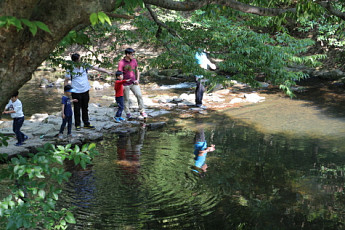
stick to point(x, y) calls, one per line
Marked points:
point(129, 66)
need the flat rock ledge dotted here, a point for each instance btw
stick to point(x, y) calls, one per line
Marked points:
point(44, 128)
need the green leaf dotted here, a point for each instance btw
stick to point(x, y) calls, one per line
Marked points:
point(70, 218)
point(103, 17)
point(91, 146)
point(93, 19)
point(42, 26)
point(42, 193)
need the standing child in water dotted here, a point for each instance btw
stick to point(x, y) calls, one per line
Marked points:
point(15, 108)
point(118, 87)
point(66, 111)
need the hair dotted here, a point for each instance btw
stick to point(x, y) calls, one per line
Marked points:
point(15, 94)
point(129, 51)
point(75, 57)
point(118, 73)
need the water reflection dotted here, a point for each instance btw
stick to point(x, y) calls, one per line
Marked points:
point(200, 152)
point(254, 181)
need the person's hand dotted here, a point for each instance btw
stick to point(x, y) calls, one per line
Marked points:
point(213, 66)
point(75, 100)
point(136, 83)
point(211, 148)
point(4, 112)
point(63, 116)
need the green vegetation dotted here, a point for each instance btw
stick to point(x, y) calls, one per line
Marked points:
point(31, 187)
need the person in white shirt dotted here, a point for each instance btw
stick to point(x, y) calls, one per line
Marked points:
point(15, 108)
point(78, 75)
point(203, 62)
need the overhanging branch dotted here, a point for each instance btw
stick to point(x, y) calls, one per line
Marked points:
point(236, 5)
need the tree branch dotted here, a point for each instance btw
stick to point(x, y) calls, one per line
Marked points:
point(113, 15)
point(328, 6)
point(236, 5)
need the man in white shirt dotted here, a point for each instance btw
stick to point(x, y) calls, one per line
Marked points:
point(78, 75)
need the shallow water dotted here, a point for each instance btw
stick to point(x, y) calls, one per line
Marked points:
point(277, 165)
point(253, 181)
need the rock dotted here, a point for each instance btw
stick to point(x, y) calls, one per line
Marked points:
point(95, 136)
point(156, 125)
point(43, 129)
point(236, 100)
point(253, 98)
point(39, 117)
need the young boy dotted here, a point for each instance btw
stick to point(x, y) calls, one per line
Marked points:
point(119, 95)
point(66, 111)
point(15, 108)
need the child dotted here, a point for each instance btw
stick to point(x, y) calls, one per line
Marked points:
point(15, 108)
point(66, 111)
point(119, 95)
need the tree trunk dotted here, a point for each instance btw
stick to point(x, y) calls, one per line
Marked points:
point(21, 52)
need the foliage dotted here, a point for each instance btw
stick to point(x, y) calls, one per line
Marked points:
point(34, 186)
point(7, 21)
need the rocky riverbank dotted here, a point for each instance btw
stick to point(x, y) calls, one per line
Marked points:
point(44, 128)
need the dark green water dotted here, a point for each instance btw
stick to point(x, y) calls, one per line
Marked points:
point(253, 181)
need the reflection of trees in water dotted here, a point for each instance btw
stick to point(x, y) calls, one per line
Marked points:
point(272, 182)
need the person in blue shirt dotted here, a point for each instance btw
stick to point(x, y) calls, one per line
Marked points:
point(204, 63)
point(200, 152)
point(66, 111)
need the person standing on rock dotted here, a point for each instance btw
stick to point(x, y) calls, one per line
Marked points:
point(118, 87)
point(66, 111)
point(129, 66)
point(204, 62)
point(15, 108)
point(78, 74)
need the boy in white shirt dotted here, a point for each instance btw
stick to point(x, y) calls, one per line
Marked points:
point(15, 108)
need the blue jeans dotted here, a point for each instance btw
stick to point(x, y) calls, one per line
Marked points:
point(119, 101)
point(17, 124)
point(67, 120)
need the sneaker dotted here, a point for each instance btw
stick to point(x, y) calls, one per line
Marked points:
point(89, 127)
point(60, 136)
point(77, 128)
point(25, 138)
point(122, 119)
point(144, 114)
point(117, 119)
point(19, 144)
point(129, 116)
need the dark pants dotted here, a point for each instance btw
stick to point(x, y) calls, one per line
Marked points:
point(83, 105)
point(119, 101)
point(67, 120)
point(17, 124)
point(199, 92)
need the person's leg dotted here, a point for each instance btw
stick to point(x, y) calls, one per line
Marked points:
point(77, 107)
point(126, 90)
point(17, 124)
point(85, 108)
point(69, 124)
point(119, 101)
point(199, 93)
point(63, 125)
point(137, 92)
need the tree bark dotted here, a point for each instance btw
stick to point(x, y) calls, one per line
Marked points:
point(21, 52)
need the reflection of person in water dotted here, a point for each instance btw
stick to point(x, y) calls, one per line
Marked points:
point(129, 151)
point(200, 151)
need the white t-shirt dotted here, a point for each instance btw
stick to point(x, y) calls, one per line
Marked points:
point(80, 81)
point(17, 107)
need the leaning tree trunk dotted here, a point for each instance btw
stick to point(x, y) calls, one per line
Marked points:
point(21, 52)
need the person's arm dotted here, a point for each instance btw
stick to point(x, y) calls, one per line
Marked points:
point(7, 112)
point(208, 149)
point(101, 70)
point(63, 111)
point(67, 77)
